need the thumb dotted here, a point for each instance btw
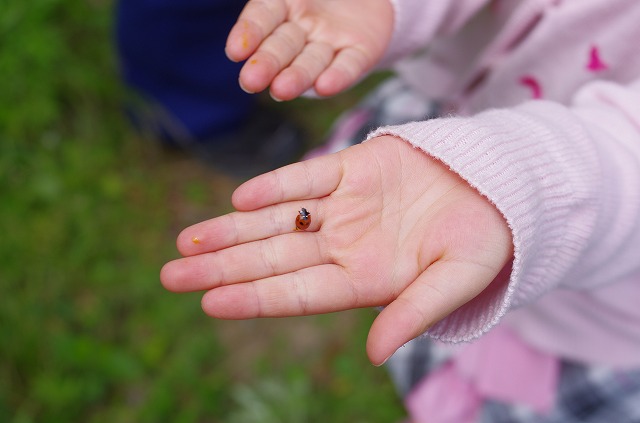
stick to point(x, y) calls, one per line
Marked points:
point(441, 289)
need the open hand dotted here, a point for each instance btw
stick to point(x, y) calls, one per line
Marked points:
point(390, 226)
point(293, 45)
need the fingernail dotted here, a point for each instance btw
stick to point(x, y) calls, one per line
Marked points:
point(243, 88)
point(383, 361)
point(226, 52)
point(276, 99)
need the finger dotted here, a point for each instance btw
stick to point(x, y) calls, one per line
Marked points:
point(438, 291)
point(303, 71)
point(243, 263)
point(348, 67)
point(276, 52)
point(315, 290)
point(258, 19)
point(315, 178)
point(242, 227)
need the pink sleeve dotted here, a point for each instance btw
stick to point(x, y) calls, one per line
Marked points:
point(567, 180)
point(417, 22)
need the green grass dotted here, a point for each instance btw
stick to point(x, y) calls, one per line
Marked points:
point(88, 214)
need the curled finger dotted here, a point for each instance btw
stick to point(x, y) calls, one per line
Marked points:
point(274, 54)
point(302, 73)
point(258, 19)
point(347, 68)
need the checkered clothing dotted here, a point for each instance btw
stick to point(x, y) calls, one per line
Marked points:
point(585, 394)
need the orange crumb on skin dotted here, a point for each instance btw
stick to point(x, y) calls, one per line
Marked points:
point(195, 240)
point(245, 35)
point(253, 61)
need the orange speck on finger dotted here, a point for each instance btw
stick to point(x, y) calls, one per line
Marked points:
point(195, 240)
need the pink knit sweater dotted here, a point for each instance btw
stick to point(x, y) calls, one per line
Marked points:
point(544, 97)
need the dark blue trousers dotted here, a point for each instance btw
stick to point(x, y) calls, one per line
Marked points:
point(172, 52)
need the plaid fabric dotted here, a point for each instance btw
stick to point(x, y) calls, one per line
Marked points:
point(585, 394)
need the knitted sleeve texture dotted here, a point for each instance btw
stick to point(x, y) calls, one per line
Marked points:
point(566, 179)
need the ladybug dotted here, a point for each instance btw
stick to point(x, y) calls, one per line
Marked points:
point(303, 220)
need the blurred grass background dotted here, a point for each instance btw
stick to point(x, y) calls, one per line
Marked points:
point(89, 213)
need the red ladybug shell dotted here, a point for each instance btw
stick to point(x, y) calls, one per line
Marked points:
point(303, 220)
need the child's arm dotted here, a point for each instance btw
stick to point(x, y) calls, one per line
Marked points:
point(390, 226)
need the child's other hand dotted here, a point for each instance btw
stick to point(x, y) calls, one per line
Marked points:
point(293, 45)
point(390, 226)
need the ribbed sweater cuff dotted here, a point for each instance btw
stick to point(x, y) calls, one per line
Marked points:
point(519, 162)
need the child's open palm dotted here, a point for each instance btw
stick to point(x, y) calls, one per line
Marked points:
point(390, 226)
